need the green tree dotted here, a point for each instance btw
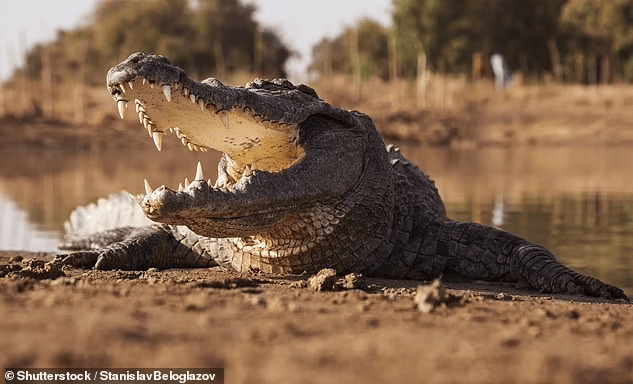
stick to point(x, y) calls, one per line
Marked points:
point(601, 27)
point(206, 37)
point(372, 47)
point(228, 39)
point(451, 31)
point(122, 27)
point(447, 31)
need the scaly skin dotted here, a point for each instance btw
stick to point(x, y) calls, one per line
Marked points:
point(302, 186)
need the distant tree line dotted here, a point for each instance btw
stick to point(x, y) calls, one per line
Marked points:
point(585, 41)
point(206, 37)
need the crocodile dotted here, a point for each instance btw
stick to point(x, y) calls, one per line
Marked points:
point(302, 185)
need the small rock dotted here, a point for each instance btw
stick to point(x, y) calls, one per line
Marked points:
point(430, 296)
point(352, 281)
point(504, 296)
point(325, 280)
point(16, 258)
point(299, 284)
point(40, 270)
point(6, 269)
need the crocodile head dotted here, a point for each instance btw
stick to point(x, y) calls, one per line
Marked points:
point(287, 153)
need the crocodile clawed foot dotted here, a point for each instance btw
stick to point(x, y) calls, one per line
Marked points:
point(578, 283)
point(103, 259)
point(84, 259)
point(598, 288)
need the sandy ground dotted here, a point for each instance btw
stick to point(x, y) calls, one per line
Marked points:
point(280, 329)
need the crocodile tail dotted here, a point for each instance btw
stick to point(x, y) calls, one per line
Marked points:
point(116, 211)
point(481, 252)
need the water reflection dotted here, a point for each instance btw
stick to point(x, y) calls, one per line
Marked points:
point(576, 201)
point(18, 233)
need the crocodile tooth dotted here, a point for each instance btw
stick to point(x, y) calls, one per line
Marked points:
point(141, 116)
point(146, 121)
point(144, 81)
point(190, 146)
point(192, 97)
point(121, 87)
point(184, 140)
point(180, 187)
point(171, 130)
point(137, 198)
point(148, 189)
point(130, 84)
point(151, 85)
point(186, 182)
point(221, 180)
point(137, 105)
point(134, 197)
point(209, 182)
point(150, 130)
point(201, 104)
point(224, 117)
point(122, 105)
point(167, 92)
point(158, 139)
point(185, 91)
point(178, 133)
point(199, 175)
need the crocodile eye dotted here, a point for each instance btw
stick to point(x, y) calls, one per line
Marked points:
point(307, 90)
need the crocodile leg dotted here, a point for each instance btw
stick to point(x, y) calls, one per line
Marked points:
point(141, 248)
point(96, 241)
point(480, 252)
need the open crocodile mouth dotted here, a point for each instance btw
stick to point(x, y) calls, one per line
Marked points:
point(251, 142)
point(265, 170)
point(257, 137)
point(247, 137)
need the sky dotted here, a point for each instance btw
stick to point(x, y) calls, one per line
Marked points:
point(300, 23)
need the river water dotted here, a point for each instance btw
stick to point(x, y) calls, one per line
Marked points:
point(577, 201)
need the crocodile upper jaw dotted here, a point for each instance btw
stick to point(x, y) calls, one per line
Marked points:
point(254, 125)
point(247, 137)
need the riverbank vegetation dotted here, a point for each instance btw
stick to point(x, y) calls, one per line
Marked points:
point(426, 78)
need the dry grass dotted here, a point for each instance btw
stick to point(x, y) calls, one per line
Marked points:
point(449, 111)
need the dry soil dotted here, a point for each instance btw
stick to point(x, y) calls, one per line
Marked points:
point(287, 329)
